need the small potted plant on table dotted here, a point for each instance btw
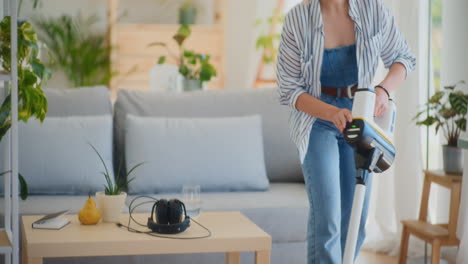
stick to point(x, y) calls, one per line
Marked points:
point(112, 200)
point(447, 110)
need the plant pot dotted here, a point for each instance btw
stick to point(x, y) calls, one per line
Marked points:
point(111, 206)
point(453, 160)
point(187, 15)
point(192, 85)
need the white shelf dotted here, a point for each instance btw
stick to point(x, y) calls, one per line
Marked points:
point(5, 76)
point(9, 236)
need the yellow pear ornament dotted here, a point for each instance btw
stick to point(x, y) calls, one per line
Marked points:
point(90, 214)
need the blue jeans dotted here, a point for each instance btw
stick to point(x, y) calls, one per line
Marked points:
point(329, 173)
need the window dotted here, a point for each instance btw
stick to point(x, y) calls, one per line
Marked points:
point(434, 141)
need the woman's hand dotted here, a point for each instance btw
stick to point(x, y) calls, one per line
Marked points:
point(339, 117)
point(381, 102)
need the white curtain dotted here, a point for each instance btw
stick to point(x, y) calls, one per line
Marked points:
point(454, 59)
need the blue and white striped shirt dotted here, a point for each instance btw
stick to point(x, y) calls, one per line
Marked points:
point(301, 51)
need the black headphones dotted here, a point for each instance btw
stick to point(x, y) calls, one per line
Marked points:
point(171, 217)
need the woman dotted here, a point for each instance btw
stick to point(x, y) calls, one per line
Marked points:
point(328, 49)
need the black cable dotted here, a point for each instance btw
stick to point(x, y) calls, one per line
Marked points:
point(131, 214)
point(152, 233)
point(130, 210)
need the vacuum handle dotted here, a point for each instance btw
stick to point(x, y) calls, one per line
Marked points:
point(354, 224)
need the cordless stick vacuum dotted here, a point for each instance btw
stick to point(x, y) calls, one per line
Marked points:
point(371, 139)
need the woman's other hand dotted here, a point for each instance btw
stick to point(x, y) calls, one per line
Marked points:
point(340, 117)
point(381, 103)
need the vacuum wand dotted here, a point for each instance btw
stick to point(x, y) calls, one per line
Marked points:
point(374, 152)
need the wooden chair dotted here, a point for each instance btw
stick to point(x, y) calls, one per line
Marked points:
point(436, 234)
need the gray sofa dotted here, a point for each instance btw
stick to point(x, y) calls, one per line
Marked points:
point(281, 211)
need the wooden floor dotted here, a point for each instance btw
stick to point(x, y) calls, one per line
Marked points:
point(368, 257)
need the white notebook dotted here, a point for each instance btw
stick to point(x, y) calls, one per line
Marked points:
point(52, 221)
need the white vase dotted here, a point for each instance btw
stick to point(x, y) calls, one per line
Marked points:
point(111, 206)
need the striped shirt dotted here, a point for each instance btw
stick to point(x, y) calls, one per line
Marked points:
point(301, 51)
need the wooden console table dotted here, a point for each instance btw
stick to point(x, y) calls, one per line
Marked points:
point(436, 234)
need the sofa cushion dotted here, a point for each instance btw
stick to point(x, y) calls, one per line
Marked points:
point(83, 101)
point(56, 158)
point(219, 154)
point(281, 159)
point(281, 211)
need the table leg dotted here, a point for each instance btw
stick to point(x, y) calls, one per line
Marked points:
point(262, 257)
point(232, 257)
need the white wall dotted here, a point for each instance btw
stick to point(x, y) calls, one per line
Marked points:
point(455, 41)
point(241, 60)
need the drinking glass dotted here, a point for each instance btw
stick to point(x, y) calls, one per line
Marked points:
point(191, 199)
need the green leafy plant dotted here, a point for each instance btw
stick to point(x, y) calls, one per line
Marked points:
point(31, 76)
point(24, 192)
point(83, 55)
point(122, 180)
point(447, 110)
point(268, 40)
point(191, 65)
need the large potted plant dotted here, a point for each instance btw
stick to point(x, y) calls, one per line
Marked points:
point(194, 67)
point(81, 53)
point(112, 200)
point(32, 74)
point(447, 110)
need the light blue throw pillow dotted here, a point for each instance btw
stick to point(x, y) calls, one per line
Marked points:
point(219, 154)
point(55, 157)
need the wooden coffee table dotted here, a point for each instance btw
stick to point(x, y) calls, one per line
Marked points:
point(232, 233)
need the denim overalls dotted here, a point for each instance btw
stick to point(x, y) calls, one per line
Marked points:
point(329, 169)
